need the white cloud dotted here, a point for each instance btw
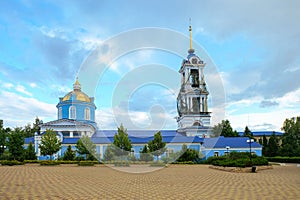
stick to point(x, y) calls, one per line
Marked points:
point(7, 85)
point(33, 85)
point(106, 118)
point(22, 89)
point(17, 110)
point(259, 118)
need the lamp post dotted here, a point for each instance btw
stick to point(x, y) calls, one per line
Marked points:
point(227, 147)
point(250, 141)
point(253, 167)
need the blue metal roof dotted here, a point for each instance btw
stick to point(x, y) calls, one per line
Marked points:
point(136, 133)
point(138, 140)
point(262, 133)
point(28, 140)
point(232, 142)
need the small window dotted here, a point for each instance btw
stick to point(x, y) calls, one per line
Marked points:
point(216, 154)
point(87, 114)
point(72, 112)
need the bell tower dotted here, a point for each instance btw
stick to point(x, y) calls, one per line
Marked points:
point(193, 116)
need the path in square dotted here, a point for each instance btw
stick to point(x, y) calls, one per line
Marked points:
point(174, 182)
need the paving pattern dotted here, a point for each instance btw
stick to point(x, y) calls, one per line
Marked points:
point(173, 182)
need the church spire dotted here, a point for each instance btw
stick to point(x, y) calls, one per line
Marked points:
point(191, 50)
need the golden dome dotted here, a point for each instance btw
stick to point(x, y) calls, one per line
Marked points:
point(76, 94)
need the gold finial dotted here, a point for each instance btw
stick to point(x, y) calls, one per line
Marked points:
point(76, 85)
point(191, 38)
point(77, 82)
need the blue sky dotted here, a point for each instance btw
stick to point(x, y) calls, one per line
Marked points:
point(253, 45)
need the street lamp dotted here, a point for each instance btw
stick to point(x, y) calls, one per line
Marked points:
point(250, 141)
point(253, 167)
point(227, 147)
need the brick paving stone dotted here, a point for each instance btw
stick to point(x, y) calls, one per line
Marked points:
point(174, 182)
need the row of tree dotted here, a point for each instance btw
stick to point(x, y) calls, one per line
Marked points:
point(122, 147)
point(27, 131)
point(224, 129)
point(286, 145)
point(12, 146)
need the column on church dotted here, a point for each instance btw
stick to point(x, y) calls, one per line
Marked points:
point(187, 74)
point(190, 104)
point(200, 104)
point(71, 134)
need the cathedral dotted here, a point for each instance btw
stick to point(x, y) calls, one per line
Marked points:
point(76, 118)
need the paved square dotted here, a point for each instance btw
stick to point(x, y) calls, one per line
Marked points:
point(173, 182)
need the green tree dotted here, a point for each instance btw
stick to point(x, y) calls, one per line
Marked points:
point(291, 137)
point(15, 144)
point(30, 152)
point(145, 154)
point(109, 154)
point(248, 133)
point(86, 147)
point(224, 129)
point(122, 142)
point(3, 136)
point(69, 154)
point(50, 144)
point(273, 146)
point(265, 144)
point(156, 146)
point(36, 125)
point(1, 124)
point(28, 131)
point(187, 154)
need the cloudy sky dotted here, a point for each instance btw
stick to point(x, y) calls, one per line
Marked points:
point(252, 46)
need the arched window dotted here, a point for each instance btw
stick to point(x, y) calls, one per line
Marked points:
point(72, 112)
point(60, 113)
point(87, 114)
point(196, 124)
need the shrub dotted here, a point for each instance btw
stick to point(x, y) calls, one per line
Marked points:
point(31, 161)
point(188, 155)
point(49, 163)
point(260, 161)
point(86, 163)
point(131, 158)
point(241, 162)
point(236, 155)
point(210, 160)
point(11, 162)
point(157, 164)
point(68, 162)
point(121, 163)
point(284, 159)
